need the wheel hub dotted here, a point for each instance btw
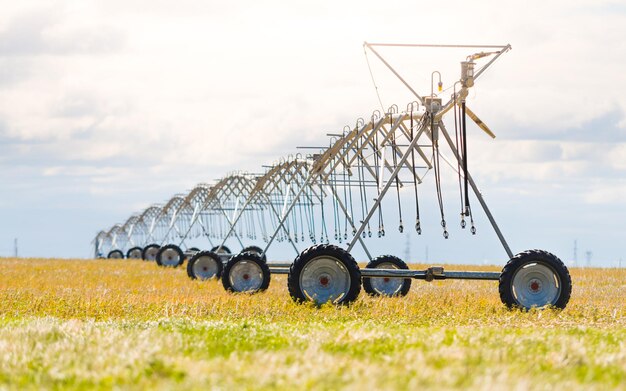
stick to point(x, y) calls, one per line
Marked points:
point(245, 276)
point(205, 267)
point(325, 279)
point(170, 257)
point(535, 286)
point(386, 286)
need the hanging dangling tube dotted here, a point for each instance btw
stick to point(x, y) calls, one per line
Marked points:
point(301, 220)
point(248, 224)
point(464, 129)
point(275, 219)
point(310, 210)
point(347, 168)
point(302, 198)
point(395, 164)
point(323, 228)
point(345, 183)
point(336, 218)
point(345, 200)
point(418, 227)
point(468, 209)
point(437, 169)
point(459, 148)
point(263, 226)
point(362, 190)
point(245, 223)
point(295, 223)
point(376, 148)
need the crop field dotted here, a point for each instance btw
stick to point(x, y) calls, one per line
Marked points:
point(70, 324)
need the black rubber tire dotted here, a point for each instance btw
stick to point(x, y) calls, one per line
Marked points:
point(367, 283)
point(256, 250)
point(328, 250)
point(112, 253)
point(192, 261)
point(225, 250)
point(179, 252)
point(534, 256)
point(247, 257)
point(134, 250)
point(144, 252)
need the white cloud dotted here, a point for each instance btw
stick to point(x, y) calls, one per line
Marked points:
point(616, 156)
point(607, 193)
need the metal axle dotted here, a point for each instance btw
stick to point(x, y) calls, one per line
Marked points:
point(432, 273)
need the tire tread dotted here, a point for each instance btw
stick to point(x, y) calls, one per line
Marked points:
point(196, 256)
point(506, 277)
point(406, 285)
point(248, 256)
point(293, 280)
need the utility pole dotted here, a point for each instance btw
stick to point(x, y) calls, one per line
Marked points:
point(15, 252)
point(588, 254)
point(575, 252)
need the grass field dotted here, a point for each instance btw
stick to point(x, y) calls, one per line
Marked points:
point(129, 324)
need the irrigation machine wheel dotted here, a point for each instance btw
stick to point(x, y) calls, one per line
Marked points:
point(134, 253)
point(257, 250)
point(535, 278)
point(246, 272)
point(221, 250)
point(205, 265)
point(387, 286)
point(170, 255)
point(115, 254)
point(149, 252)
point(324, 273)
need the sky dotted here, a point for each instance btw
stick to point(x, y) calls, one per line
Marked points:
point(107, 107)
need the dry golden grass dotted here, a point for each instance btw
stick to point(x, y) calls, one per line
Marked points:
point(105, 323)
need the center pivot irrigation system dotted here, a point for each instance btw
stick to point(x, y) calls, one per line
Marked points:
point(336, 194)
